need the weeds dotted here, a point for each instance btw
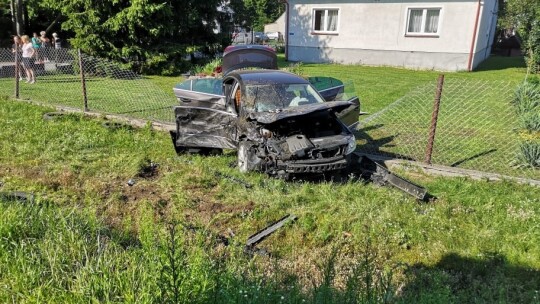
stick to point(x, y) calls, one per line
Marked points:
point(173, 265)
point(527, 104)
point(527, 98)
point(296, 68)
point(529, 154)
point(67, 254)
point(96, 239)
point(208, 69)
point(531, 121)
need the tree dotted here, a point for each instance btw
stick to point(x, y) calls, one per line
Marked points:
point(148, 35)
point(524, 16)
point(256, 13)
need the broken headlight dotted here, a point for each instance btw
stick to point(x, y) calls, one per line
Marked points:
point(351, 145)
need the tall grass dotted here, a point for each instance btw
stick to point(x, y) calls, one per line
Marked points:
point(527, 97)
point(98, 239)
point(527, 103)
point(66, 254)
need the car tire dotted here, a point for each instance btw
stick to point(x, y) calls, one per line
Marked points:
point(247, 160)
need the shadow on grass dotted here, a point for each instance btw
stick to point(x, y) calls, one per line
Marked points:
point(478, 155)
point(495, 62)
point(458, 279)
point(373, 145)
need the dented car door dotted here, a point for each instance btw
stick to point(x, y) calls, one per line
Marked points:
point(202, 118)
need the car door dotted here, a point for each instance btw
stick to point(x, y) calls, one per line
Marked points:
point(202, 118)
point(332, 89)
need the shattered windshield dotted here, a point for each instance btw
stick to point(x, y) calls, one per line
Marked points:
point(275, 97)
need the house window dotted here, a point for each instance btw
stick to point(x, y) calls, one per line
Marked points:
point(325, 20)
point(423, 21)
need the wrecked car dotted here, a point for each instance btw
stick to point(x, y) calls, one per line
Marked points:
point(278, 122)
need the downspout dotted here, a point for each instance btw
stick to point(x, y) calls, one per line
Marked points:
point(286, 30)
point(471, 55)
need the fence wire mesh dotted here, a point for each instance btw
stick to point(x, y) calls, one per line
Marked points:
point(110, 88)
point(477, 126)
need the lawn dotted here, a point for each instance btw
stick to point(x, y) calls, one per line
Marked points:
point(377, 87)
point(476, 130)
point(91, 237)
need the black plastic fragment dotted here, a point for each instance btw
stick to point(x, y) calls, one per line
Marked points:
point(17, 196)
point(233, 179)
point(148, 170)
point(53, 115)
point(262, 234)
point(382, 176)
point(114, 125)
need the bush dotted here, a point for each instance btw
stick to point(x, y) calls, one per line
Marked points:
point(296, 68)
point(527, 98)
point(207, 69)
point(529, 154)
point(527, 103)
point(530, 121)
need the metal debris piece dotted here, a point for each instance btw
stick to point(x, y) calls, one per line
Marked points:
point(382, 176)
point(131, 182)
point(17, 196)
point(52, 115)
point(233, 179)
point(149, 170)
point(114, 125)
point(262, 234)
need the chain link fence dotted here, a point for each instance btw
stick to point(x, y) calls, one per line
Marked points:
point(477, 127)
point(68, 78)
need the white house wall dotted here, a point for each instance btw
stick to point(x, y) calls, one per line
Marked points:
point(486, 31)
point(277, 26)
point(373, 33)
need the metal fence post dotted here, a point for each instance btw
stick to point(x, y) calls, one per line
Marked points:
point(17, 72)
point(434, 118)
point(83, 80)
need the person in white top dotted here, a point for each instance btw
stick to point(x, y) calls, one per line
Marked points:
point(28, 54)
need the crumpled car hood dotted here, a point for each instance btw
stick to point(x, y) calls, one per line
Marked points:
point(271, 117)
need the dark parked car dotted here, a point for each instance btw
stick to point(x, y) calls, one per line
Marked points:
point(278, 121)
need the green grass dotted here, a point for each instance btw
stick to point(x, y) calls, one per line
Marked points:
point(477, 242)
point(145, 98)
point(377, 87)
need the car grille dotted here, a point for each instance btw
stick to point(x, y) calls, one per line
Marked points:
point(315, 168)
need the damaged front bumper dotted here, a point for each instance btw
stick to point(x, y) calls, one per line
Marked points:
point(313, 166)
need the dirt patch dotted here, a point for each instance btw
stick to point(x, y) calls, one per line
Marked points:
point(217, 214)
point(216, 207)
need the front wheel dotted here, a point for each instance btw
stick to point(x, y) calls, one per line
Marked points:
point(247, 160)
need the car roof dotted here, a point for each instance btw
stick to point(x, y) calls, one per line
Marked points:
point(251, 77)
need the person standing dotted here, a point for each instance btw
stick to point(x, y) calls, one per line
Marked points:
point(45, 45)
point(17, 51)
point(57, 41)
point(36, 44)
point(28, 54)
